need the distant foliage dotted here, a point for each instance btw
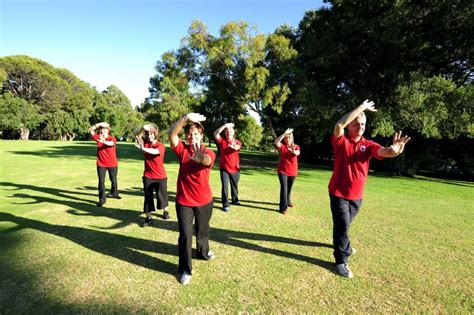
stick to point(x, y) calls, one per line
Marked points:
point(43, 102)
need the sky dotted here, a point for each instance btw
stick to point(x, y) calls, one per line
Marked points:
point(118, 42)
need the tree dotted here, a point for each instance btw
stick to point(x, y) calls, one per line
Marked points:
point(18, 114)
point(251, 133)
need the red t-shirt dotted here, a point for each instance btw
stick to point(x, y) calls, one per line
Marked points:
point(193, 178)
point(106, 156)
point(288, 163)
point(154, 167)
point(351, 166)
point(229, 161)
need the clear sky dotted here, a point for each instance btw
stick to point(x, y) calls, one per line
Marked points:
point(105, 42)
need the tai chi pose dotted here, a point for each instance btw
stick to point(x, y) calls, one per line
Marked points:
point(229, 164)
point(287, 167)
point(351, 165)
point(193, 194)
point(154, 176)
point(106, 160)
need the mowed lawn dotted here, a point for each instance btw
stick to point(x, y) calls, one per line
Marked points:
point(59, 253)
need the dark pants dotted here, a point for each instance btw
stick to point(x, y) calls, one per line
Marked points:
point(113, 179)
point(160, 186)
point(286, 183)
point(185, 217)
point(234, 187)
point(343, 213)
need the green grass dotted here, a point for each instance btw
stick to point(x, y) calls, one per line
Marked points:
point(60, 253)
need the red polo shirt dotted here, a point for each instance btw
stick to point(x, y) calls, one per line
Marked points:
point(193, 187)
point(288, 163)
point(229, 161)
point(351, 166)
point(154, 167)
point(106, 156)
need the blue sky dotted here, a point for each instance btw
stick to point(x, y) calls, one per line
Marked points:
point(118, 42)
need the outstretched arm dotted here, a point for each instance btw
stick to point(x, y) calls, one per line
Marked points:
point(396, 148)
point(176, 128)
point(350, 116)
point(283, 135)
point(217, 133)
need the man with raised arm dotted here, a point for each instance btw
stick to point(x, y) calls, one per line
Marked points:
point(106, 160)
point(194, 199)
point(352, 153)
point(229, 164)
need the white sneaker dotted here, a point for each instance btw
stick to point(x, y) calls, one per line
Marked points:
point(343, 270)
point(210, 255)
point(353, 250)
point(185, 278)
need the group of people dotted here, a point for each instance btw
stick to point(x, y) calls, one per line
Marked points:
point(194, 199)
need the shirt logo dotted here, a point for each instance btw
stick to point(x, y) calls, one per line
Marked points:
point(363, 147)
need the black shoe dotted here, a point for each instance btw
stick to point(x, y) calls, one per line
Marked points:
point(290, 205)
point(100, 204)
point(284, 212)
point(166, 215)
point(237, 203)
point(114, 196)
point(148, 222)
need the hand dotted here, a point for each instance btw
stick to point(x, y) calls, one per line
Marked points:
point(399, 142)
point(233, 144)
point(139, 143)
point(288, 131)
point(199, 153)
point(195, 117)
point(103, 125)
point(229, 125)
point(369, 105)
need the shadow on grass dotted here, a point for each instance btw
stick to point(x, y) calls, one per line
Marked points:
point(124, 246)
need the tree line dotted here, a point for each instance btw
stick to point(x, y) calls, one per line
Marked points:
point(413, 58)
point(39, 101)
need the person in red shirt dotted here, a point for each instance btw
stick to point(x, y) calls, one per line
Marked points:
point(193, 194)
point(154, 175)
point(287, 167)
point(229, 164)
point(106, 160)
point(352, 154)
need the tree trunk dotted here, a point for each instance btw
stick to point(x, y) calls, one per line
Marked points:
point(24, 133)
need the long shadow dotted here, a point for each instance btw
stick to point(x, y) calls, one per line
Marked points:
point(123, 248)
point(100, 241)
point(244, 203)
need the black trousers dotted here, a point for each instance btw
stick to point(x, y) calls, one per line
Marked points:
point(234, 187)
point(185, 217)
point(286, 184)
point(113, 180)
point(160, 186)
point(343, 213)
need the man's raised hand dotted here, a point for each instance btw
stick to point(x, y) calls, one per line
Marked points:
point(369, 105)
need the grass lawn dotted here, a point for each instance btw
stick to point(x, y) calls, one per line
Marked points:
point(62, 254)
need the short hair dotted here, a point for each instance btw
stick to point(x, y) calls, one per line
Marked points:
point(361, 115)
point(193, 125)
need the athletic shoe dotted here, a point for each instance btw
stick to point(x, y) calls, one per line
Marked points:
point(343, 270)
point(148, 222)
point(114, 196)
point(353, 250)
point(237, 203)
point(100, 204)
point(284, 212)
point(166, 215)
point(210, 255)
point(226, 209)
point(290, 205)
point(185, 278)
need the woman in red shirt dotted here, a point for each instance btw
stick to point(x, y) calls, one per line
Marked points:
point(229, 164)
point(193, 194)
point(287, 167)
point(154, 175)
point(106, 160)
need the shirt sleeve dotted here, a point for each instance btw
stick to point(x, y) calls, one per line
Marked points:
point(337, 142)
point(179, 149)
point(95, 136)
point(374, 147)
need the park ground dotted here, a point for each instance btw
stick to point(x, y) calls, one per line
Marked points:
point(61, 254)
